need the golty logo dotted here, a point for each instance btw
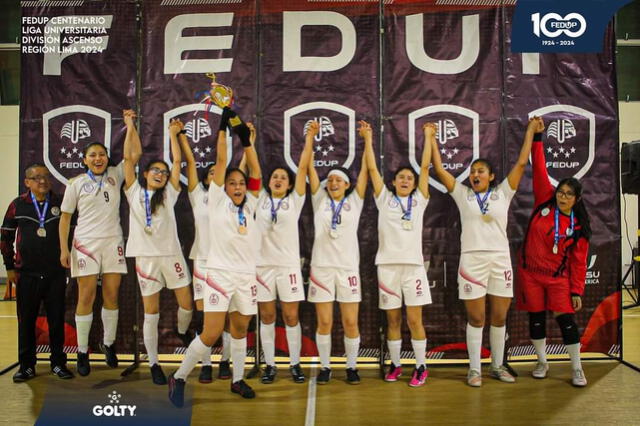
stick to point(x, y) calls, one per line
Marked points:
point(114, 408)
point(76, 130)
point(553, 25)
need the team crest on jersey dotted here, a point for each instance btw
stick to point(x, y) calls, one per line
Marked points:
point(82, 264)
point(494, 196)
point(334, 145)
point(111, 181)
point(570, 140)
point(88, 188)
point(458, 138)
point(393, 203)
point(385, 299)
point(55, 210)
point(199, 125)
point(214, 299)
point(65, 132)
point(198, 287)
point(467, 288)
point(313, 291)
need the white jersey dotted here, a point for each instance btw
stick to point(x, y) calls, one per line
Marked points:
point(163, 240)
point(280, 244)
point(343, 251)
point(398, 245)
point(486, 232)
point(199, 199)
point(97, 202)
point(230, 250)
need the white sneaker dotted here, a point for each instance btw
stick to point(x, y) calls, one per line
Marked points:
point(579, 379)
point(474, 378)
point(540, 371)
point(502, 374)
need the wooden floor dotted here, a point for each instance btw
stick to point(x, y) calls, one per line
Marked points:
point(612, 396)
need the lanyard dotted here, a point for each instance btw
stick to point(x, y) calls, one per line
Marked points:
point(483, 203)
point(93, 178)
point(41, 213)
point(406, 213)
point(556, 229)
point(335, 212)
point(242, 220)
point(274, 210)
point(147, 208)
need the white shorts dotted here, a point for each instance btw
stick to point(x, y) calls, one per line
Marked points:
point(199, 278)
point(482, 273)
point(329, 284)
point(396, 282)
point(98, 256)
point(230, 291)
point(283, 282)
point(157, 272)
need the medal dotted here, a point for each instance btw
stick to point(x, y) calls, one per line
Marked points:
point(407, 225)
point(41, 232)
point(242, 220)
point(569, 232)
point(555, 249)
point(93, 178)
point(486, 218)
point(148, 230)
point(147, 211)
point(544, 211)
point(333, 233)
point(482, 203)
point(406, 213)
point(242, 230)
point(556, 229)
point(335, 217)
point(274, 210)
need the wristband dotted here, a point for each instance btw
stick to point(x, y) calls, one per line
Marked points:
point(243, 132)
point(537, 137)
point(254, 184)
point(182, 132)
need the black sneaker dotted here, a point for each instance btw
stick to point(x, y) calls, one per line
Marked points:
point(62, 372)
point(110, 356)
point(176, 391)
point(243, 389)
point(24, 374)
point(82, 364)
point(205, 374)
point(157, 375)
point(269, 374)
point(296, 373)
point(185, 337)
point(324, 376)
point(224, 371)
point(353, 378)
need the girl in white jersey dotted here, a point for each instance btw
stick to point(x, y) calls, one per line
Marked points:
point(335, 261)
point(98, 248)
point(278, 268)
point(485, 262)
point(401, 273)
point(231, 261)
point(153, 241)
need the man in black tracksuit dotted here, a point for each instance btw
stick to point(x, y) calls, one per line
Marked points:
point(31, 222)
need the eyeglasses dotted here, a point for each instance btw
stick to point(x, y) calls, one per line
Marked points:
point(159, 171)
point(40, 178)
point(563, 194)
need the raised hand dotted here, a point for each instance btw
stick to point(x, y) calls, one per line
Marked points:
point(536, 124)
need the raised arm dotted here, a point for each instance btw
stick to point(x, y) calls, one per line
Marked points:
point(192, 171)
point(370, 157)
point(254, 165)
point(536, 125)
point(363, 176)
point(305, 158)
point(314, 180)
point(176, 154)
point(132, 149)
point(221, 158)
point(252, 140)
point(429, 130)
point(445, 177)
point(542, 188)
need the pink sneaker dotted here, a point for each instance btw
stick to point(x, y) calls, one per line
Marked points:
point(393, 374)
point(419, 376)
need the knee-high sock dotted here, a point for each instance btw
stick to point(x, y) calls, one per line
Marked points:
point(420, 350)
point(110, 325)
point(574, 354)
point(226, 346)
point(268, 339)
point(206, 359)
point(195, 352)
point(150, 336)
point(394, 351)
point(540, 345)
point(294, 341)
point(351, 346)
point(184, 319)
point(238, 355)
point(83, 327)
point(323, 341)
point(474, 344)
point(496, 340)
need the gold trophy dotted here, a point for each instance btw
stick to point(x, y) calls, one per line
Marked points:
point(220, 94)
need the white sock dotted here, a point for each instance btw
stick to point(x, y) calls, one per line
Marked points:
point(206, 359)
point(238, 355)
point(294, 341)
point(540, 346)
point(150, 336)
point(83, 327)
point(394, 351)
point(323, 342)
point(574, 354)
point(496, 340)
point(226, 346)
point(184, 319)
point(474, 344)
point(420, 350)
point(195, 352)
point(110, 325)
point(268, 339)
point(351, 346)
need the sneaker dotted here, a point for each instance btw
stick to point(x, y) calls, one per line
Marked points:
point(109, 355)
point(176, 391)
point(395, 371)
point(24, 374)
point(296, 373)
point(579, 379)
point(62, 372)
point(501, 374)
point(419, 376)
point(243, 389)
point(323, 376)
point(269, 374)
point(157, 375)
point(353, 378)
point(185, 337)
point(206, 375)
point(224, 370)
point(82, 364)
point(474, 378)
point(540, 371)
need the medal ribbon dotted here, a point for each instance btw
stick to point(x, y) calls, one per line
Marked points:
point(274, 210)
point(147, 207)
point(482, 203)
point(242, 221)
point(406, 214)
point(556, 227)
point(93, 178)
point(335, 212)
point(41, 213)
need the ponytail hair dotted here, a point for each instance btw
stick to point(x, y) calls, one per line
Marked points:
point(157, 199)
